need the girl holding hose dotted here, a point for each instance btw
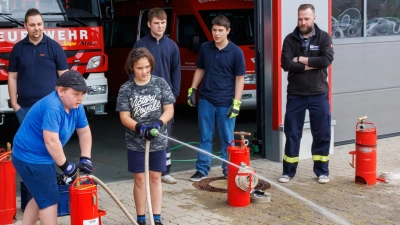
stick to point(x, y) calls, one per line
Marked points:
point(145, 102)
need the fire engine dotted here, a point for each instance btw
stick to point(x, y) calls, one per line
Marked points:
point(189, 25)
point(77, 26)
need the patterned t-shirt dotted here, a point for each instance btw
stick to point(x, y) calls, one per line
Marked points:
point(145, 102)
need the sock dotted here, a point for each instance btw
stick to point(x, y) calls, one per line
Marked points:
point(157, 217)
point(141, 218)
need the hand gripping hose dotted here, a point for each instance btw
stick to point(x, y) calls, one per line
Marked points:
point(243, 176)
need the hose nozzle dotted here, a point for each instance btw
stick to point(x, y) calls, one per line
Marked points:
point(154, 132)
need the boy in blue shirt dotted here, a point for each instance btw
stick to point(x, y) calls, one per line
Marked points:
point(39, 143)
point(222, 68)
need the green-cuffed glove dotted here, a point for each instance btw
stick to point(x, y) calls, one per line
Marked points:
point(234, 109)
point(192, 97)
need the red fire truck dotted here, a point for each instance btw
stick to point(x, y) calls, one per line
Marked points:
point(76, 26)
point(189, 25)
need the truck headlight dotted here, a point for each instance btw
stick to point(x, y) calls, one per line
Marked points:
point(97, 89)
point(94, 62)
point(250, 79)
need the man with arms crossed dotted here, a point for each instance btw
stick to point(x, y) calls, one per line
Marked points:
point(306, 54)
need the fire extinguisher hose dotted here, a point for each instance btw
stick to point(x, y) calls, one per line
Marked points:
point(243, 181)
point(4, 155)
point(114, 198)
point(146, 171)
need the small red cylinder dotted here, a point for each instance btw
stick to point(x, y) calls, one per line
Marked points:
point(84, 204)
point(8, 198)
point(237, 154)
point(366, 147)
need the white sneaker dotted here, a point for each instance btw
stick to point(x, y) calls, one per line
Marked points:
point(168, 179)
point(323, 179)
point(284, 179)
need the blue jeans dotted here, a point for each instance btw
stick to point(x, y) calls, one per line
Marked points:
point(21, 113)
point(208, 116)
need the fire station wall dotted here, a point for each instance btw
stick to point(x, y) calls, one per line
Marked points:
point(366, 82)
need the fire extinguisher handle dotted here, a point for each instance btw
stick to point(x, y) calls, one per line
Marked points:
point(353, 153)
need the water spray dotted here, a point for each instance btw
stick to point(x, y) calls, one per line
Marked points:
point(322, 210)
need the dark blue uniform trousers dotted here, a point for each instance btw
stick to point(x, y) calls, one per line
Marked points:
point(320, 122)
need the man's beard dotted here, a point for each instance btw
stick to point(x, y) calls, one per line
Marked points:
point(306, 31)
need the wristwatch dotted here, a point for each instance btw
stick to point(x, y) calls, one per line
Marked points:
point(298, 59)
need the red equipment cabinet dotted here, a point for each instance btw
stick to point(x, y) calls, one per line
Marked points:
point(8, 201)
point(365, 153)
point(236, 155)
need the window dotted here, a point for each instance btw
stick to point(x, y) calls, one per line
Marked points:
point(123, 32)
point(347, 18)
point(145, 30)
point(383, 17)
point(188, 27)
point(242, 24)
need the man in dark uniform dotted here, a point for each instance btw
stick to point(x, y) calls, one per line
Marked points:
point(36, 62)
point(306, 54)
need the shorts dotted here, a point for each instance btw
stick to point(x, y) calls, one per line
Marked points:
point(157, 161)
point(40, 180)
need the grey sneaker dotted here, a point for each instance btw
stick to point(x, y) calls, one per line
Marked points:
point(323, 179)
point(168, 179)
point(284, 179)
point(197, 176)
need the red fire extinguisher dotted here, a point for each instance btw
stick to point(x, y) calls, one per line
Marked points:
point(8, 201)
point(238, 155)
point(84, 202)
point(365, 153)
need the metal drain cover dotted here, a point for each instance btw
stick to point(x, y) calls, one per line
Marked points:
point(219, 184)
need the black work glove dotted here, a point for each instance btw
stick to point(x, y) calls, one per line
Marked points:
point(192, 97)
point(157, 125)
point(144, 131)
point(85, 164)
point(69, 169)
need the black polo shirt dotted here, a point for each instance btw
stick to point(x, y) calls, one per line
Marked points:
point(37, 67)
point(220, 70)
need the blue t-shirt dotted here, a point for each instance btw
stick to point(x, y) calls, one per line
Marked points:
point(220, 70)
point(47, 114)
point(37, 67)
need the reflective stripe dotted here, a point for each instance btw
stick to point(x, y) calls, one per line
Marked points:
point(168, 155)
point(291, 159)
point(320, 158)
point(168, 162)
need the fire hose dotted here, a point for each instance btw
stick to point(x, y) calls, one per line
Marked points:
point(146, 170)
point(243, 182)
point(122, 207)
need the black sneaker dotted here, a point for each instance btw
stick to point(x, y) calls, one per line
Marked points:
point(197, 176)
point(157, 222)
point(141, 222)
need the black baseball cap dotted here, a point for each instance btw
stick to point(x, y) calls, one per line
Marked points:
point(73, 79)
